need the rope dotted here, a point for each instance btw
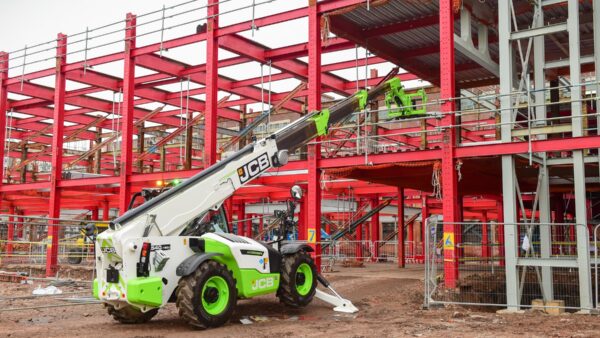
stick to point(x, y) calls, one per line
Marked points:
point(459, 164)
point(436, 180)
point(187, 118)
point(112, 127)
point(323, 182)
point(270, 106)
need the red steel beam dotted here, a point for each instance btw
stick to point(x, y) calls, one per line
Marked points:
point(246, 47)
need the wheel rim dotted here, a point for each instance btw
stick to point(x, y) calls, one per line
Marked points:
point(215, 295)
point(304, 279)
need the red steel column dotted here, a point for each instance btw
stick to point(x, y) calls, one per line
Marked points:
point(127, 115)
point(375, 229)
point(11, 230)
point(105, 210)
point(401, 253)
point(212, 70)
point(410, 234)
point(249, 225)
point(3, 108)
point(95, 214)
point(229, 212)
point(240, 216)
point(57, 154)
point(424, 215)
point(449, 178)
point(314, 150)
point(261, 224)
point(20, 225)
point(359, 238)
point(302, 214)
point(485, 242)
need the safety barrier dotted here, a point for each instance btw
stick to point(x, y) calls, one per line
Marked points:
point(369, 251)
point(468, 265)
point(26, 241)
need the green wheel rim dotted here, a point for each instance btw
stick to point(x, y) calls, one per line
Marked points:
point(215, 305)
point(304, 287)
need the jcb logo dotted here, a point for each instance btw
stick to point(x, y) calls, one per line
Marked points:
point(253, 168)
point(263, 283)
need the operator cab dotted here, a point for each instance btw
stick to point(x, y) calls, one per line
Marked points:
point(213, 221)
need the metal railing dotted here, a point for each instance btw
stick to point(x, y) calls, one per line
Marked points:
point(468, 266)
point(26, 241)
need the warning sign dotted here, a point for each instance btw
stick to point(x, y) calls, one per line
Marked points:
point(449, 240)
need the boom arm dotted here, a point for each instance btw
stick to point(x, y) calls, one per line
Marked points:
point(208, 189)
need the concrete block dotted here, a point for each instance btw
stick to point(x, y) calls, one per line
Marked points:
point(555, 307)
point(551, 307)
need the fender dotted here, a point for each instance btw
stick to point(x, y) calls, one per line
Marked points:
point(191, 263)
point(292, 248)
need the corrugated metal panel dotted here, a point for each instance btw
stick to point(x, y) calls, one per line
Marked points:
point(397, 11)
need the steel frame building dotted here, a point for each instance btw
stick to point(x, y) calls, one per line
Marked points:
point(455, 45)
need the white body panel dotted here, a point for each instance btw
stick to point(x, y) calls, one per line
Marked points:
point(171, 217)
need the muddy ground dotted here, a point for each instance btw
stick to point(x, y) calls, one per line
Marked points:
point(389, 300)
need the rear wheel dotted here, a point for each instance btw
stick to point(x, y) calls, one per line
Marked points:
point(130, 314)
point(207, 297)
point(75, 256)
point(298, 280)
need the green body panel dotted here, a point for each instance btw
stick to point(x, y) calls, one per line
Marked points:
point(95, 289)
point(146, 291)
point(254, 283)
point(322, 122)
point(249, 282)
point(402, 105)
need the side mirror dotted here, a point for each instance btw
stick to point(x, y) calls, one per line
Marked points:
point(296, 193)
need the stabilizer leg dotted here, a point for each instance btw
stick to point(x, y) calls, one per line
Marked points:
point(340, 304)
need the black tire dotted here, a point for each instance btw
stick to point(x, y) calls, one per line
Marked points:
point(75, 256)
point(291, 278)
point(130, 314)
point(190, 296)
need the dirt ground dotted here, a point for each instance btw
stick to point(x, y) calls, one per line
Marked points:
point(389, 300)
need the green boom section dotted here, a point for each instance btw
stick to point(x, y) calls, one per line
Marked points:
point(249, 282)
point(321, 122)
point(402, 105)
point(145, 290)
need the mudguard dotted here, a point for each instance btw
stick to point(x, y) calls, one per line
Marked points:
point(191, 263)
point(292, 248)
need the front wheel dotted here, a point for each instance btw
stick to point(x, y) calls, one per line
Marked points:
point(207, 297)
point(298, 280)
point(130, 314)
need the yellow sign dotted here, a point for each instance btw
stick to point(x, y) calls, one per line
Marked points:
point(311, 236)
point(449, 240)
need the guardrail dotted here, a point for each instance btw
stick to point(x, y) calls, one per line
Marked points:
point(547, 265)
